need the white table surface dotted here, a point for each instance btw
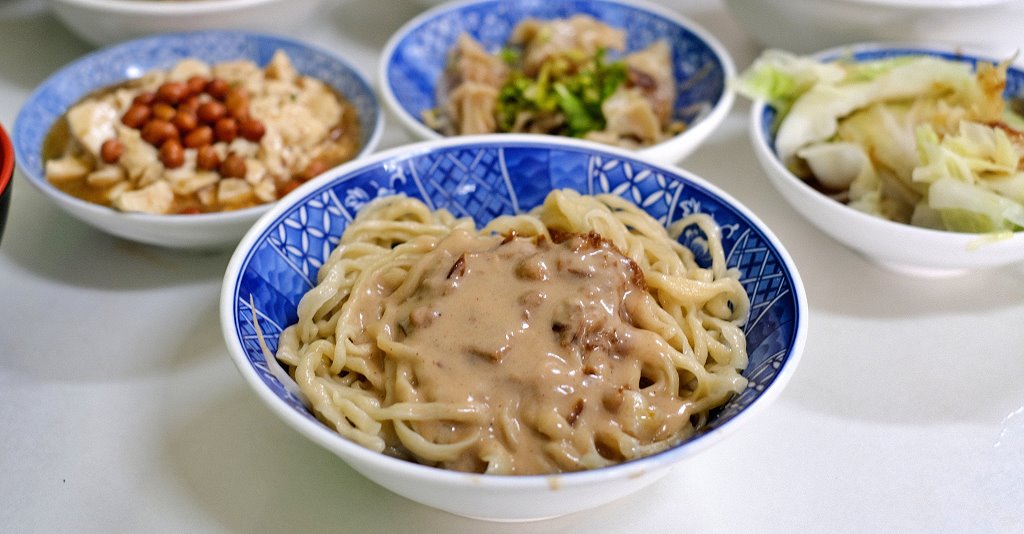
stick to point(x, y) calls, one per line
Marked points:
point(120, 410)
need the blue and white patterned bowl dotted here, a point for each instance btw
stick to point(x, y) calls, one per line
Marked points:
point(906, 249)
point(415, 57)
point(482, 177)
point(134, 58)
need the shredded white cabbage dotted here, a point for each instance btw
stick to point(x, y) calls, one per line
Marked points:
point(916, 139)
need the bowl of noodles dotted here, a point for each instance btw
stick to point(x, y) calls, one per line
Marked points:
point(908, 154)
point(633, 75)
point(495, 327)
point(183, 140)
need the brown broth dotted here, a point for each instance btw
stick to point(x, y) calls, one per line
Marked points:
point(345, 144)
point(54, 146)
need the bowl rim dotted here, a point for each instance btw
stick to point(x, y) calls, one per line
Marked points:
point(351, 452)
point(922, 5)
point(6, 160)
point(908, 231)
point(159, 8)
point(713, 116)
point(99, 211)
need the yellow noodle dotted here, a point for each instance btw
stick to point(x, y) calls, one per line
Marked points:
point(349, 356)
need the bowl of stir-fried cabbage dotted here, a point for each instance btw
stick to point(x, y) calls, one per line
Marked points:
point(632, 75)
point(911, 155)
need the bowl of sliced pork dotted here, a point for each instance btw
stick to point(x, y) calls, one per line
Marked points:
point(632, 75)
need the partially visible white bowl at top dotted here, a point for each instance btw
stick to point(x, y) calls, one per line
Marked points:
point(102, 22)
point(806, 26)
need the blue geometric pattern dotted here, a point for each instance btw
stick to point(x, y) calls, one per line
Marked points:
point(311, 230)
point(467, 183)
point(134, 58)
point(485, 178)
point(419, 58)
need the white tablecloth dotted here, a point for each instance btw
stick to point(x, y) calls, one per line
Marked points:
point(120, 410)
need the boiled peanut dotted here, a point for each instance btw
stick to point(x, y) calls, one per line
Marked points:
point(137, 115)
point(196, 84)
point(201, 136)
point(212, 111)
point(111, 150)
point(237, 102)
point(233, 166)
point(171, 92)
point(185, 121)
point(164, 111)
point(217, 88)
point(190, 104)
point(226, 129)
point(207, 158)
point(172, 155)
point(251, 129)
point(157, 131)
point(146, 98)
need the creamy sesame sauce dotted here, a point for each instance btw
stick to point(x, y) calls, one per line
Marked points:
point(541, 333)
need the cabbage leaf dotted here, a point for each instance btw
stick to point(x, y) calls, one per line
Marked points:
point(916, 139)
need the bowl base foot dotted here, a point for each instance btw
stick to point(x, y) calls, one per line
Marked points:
point(509, 520)
point(920, 272)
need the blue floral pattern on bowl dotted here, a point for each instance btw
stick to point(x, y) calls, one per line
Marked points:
point(134, 58)
point(484, 178)
point(416, 62)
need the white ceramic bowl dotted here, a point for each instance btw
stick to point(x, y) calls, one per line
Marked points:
point(900, 247)
point(132, 59)
point(483, 177)
point(102, 22)
point(415, 57)
point(805, 26)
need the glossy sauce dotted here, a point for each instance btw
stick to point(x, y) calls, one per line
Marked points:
point(539, 332)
